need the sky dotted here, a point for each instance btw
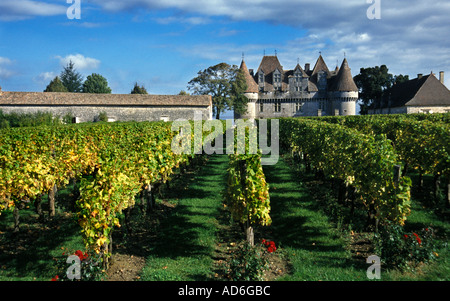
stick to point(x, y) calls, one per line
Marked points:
point(163, 44)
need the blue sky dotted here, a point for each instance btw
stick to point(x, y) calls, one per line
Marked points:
point(163, 44)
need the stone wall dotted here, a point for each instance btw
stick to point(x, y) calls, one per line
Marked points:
point(410, 110)
point(118, 107)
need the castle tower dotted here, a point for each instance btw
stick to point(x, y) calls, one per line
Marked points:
point(344, 92)
point(251, 93)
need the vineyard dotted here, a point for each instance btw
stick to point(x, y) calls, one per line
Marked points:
point(365, 176)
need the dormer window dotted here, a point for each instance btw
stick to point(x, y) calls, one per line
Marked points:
point(297, 77)
point(261, 77)
point(277, 78)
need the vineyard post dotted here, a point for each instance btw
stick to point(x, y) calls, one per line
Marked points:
point(448, 194)
point(437, 190)
point(397, 174)
point(16, 218)
point(38, 206)
point(51, 201)
point(248, 227)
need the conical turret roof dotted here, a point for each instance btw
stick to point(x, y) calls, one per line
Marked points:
point(344, 81)
point(252, 86)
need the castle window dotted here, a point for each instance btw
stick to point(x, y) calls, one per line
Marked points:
point(298, 107)
point(261, 107)
point(261, 77)
point(277, 78)
point(322, 105)
point(277, 107)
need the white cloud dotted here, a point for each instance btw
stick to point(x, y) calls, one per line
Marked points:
point(80, 61)
point(45, 77)
point(5, 71)
point(11, 10)
point(183, 20)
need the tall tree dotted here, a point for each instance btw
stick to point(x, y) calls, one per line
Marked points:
point(215, 81)
point(138, 89)
point(372, 82)
point(238, 87)
point(71, 79)
point(398, 79)
point(95, 83)
point(56, 85)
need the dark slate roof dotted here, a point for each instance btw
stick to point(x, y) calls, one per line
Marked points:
point(424, 91)
point(252, 86)
point(87, 99)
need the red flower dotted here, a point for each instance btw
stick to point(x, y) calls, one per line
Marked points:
point(406, 236)
point(417, 238)
point(270, 249)
point(55, 278)
point(81, 255)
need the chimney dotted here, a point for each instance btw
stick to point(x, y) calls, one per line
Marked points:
point(307, 67)
point(441, 77)
point(419, 76)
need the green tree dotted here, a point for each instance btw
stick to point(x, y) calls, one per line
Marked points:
point(238, 87)
point(138, 89)
point(56, 85)
point(71, 79)
point(96, 83)
point(398, 79)
point(216, 81)
point(371, 83)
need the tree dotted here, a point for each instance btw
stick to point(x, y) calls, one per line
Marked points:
point(71, 79)
point(238, 87)
point(138, 89)
point(215, 81)
point(56, 85)
point(95, 83)
point(372, 82)
point(398, 79)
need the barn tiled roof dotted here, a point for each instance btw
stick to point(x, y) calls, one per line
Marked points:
point(87, 99)
point(422, 91)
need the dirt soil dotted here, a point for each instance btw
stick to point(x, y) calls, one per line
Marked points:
point(125, 267)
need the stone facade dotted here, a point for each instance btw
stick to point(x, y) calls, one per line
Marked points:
point(274, 92)
point(118, 107)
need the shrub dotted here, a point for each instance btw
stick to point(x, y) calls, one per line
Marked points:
point(248, 263)
point(404, 250)
point(90, 268)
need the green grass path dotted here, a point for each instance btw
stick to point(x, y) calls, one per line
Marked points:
point(186, 240)
point(315, 249)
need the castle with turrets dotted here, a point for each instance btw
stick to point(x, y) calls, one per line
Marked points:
point(274, 92)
